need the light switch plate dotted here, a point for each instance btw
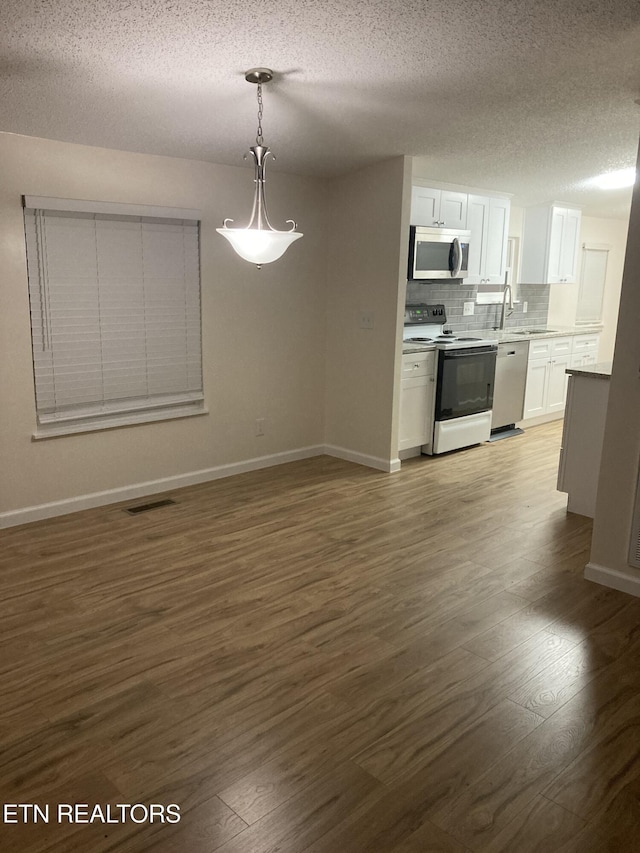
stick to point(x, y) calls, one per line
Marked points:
point(468, 308)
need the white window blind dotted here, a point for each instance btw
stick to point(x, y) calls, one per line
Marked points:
point(593, 277)
point(115, 316)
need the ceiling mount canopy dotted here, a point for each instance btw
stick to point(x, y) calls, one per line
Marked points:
point(259, 75)
point(259, 243)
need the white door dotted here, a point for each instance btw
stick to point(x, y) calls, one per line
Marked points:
point(415, 413)
point(477, 221)
point(569, 250)
point(453, 209)
point(554, 268)
point(496, 244)
point(425, 206)
point(557, 391)
point(535, 398)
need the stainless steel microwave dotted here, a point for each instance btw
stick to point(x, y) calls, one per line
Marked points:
point(438, 253)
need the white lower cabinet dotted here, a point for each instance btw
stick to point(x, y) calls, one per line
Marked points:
point(546, 378)
point(417, 399)
point(585, 350)
point(558, 379)
point(549, 359)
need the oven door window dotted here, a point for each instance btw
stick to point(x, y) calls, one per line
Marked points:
point(465, 383)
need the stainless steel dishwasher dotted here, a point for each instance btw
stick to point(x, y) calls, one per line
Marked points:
point(508, 391)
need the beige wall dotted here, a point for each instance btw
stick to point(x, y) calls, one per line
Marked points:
point(621, 452)
point(263, 331)
point(366, 272)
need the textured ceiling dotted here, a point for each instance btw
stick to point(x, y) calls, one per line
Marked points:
point(527, 97)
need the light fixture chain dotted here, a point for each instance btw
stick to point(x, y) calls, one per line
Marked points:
point(259, 137)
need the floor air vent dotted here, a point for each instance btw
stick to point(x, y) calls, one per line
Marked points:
point(634, 543)
point(134, 510)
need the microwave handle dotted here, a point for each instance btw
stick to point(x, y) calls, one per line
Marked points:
point(457, 253)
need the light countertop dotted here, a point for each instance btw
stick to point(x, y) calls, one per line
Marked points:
point(602, 370)
point(520, 334)
point(515, 334)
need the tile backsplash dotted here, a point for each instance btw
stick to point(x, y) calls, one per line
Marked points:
point(453, 295)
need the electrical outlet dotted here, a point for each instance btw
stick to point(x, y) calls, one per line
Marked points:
point(525, 307)
point(469, 308)
point(366, 319)
point(260, 426)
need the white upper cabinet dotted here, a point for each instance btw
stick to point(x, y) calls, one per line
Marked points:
point(550, 244)
point(444, 208)
point(488, 221)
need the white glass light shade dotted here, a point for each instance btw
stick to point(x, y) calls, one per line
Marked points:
point(258, 245)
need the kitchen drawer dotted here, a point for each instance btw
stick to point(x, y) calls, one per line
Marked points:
point(540, 348)
point(549, 347)
point(585, 343)
point(418, 364)
point(561, 346)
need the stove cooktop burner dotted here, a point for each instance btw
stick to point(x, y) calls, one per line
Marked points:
point(420, 340)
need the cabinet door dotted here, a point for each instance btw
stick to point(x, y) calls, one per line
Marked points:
point(558, 378)
point(425, 206)
point(478, 222)
point(446, 208)
point(453, 209)
point(563, 244)
point(554, 264)
point(497, 237)
point(569, 248)
point(415, 413)
point(535, 396)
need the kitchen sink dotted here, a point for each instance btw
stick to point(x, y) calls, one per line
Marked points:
point(532, 331)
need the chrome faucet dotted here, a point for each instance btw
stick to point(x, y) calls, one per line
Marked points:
point(504, 314)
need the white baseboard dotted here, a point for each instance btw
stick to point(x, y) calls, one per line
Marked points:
point(541, 419)
point(389, 466)
point(613, 578)
point(152, 487)
point(409, 453)
point(164, 484)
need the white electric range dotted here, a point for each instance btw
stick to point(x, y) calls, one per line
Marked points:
point(465, 378)
point(423, 325)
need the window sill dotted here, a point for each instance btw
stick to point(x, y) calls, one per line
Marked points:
point(97, 424)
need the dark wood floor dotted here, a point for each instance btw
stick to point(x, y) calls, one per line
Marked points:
point(324, 658)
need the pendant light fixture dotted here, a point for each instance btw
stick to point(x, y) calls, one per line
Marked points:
point(260, 243)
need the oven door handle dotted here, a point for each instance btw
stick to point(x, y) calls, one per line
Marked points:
point(465, 353)
point(455, 261)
